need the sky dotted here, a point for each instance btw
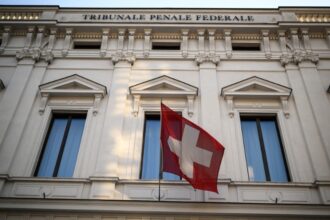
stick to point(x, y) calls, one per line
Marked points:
point(171, 3)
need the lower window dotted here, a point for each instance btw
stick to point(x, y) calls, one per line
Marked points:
point(59, 154)
point(151, 158)
point(263, 149)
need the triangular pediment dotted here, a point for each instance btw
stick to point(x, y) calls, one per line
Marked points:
point(255, 87)
point(163, 86)
point(73, 85)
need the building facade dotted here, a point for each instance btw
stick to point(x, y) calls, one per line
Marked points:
point(80, 95)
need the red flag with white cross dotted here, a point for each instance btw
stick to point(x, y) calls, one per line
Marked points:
point(189, 151)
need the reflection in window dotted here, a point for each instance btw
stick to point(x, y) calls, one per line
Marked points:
point(151, 158)
point(60, 151)
point(263, 149)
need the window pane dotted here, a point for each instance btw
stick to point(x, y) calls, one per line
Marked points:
point(71, 148)
point(253, 154)
point(52, 147)
point(273, 148)
point(151, 151)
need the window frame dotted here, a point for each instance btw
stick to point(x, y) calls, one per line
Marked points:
point(264, 117)
point(283, 134)
point(58, 114)
point(45, 124)
point(155, 115)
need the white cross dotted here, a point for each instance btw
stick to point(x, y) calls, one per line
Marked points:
point(188, 152)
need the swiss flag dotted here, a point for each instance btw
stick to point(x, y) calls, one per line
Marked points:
point(189, 151)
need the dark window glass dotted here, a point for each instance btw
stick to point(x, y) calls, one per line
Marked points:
point(263, 149)
point(166, 45)
point(246, 46)
point(151, 158)
point(87, 45)
point(60, 151)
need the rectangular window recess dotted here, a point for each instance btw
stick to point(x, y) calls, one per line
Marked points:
point(87, 45)
point(166, 45)
point(151, 152)
point(60, 149)
point(264, 151)
point(246, 46)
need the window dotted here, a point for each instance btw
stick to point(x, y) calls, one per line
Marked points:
point(151, 158)
point(246, 46)
point(59, 155)
point(87, 45)
point(263, 149)
point(166, 45)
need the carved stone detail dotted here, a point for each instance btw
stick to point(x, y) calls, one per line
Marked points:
point(265, 37)
point(185, 33)
point(298, 57)
point(127, 57)
point(67, 41)
point(228, 45)
point(36, 54)
point(202, 58)
point(104, 43)
point(146, 47)
point(5, 38)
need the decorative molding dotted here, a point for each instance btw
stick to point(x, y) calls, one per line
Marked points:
point(21, 16)
point(162, 87)
point(166, 36)
point(5, 38)
point(126, 57)
point(306, 41)
point(228, 45)
point(87, 35)
point(211, 33)
point(146, 46)
point(131, 36)
point(67, 41)
point(120, 41)
point(265, 38)
point(35, 54)
point(74, 86)
point(282, 39)
point(327, 32)
point(255, 87)
point(298, 57)
point(184, 45)
point(104, 42)
point(202, 58)
point(201, 38)
point(315, 17)
point(244, 36)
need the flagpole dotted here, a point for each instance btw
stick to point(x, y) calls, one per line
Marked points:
point(161, 152)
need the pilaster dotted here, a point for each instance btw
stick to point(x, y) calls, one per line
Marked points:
point(112, 138)
point(12, 140)
point(309, 126)
point(10, 102)
point(318, 101)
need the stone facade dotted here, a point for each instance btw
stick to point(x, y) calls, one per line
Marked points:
point(284, 70)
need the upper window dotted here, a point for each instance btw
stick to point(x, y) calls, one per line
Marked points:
point(86, 45)
point(166, 45)
point(246, 46)
point(263, 149)
point(151, 158)
point(59, 154)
